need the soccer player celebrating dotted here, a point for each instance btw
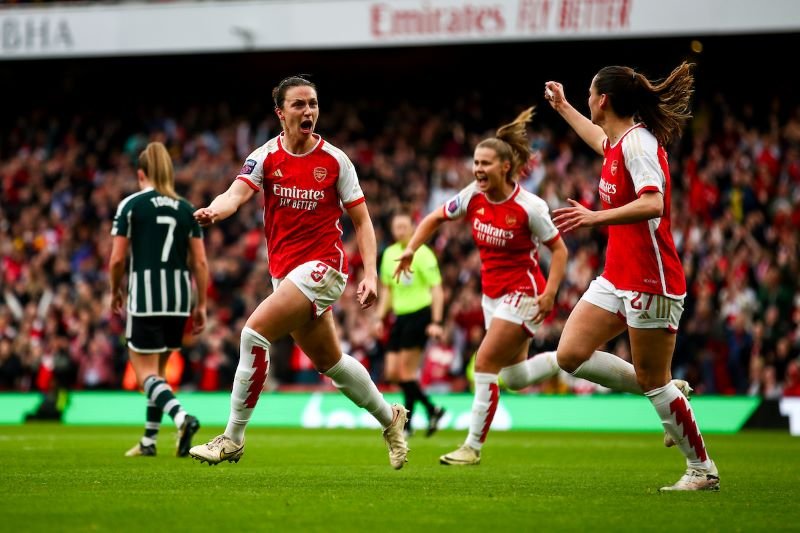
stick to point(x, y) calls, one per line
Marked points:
point(642, 288)
point(508, 224)
point(166, 243)
point(306, 184)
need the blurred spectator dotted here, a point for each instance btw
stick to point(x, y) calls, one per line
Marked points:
point(736, 220)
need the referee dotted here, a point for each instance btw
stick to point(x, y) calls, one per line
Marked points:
point(166, 249)
point(417, 302)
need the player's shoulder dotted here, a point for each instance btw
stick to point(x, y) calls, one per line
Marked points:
point(425, 252)
point(337, 153)
point(394, 249)
point(269, 147)
point(639, 141)
point(185, 205)
point(531, 202)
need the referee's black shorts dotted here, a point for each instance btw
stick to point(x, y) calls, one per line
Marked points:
point(155, 334)
point(408, 331)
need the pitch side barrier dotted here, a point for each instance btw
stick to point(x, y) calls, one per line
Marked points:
point(612, 412)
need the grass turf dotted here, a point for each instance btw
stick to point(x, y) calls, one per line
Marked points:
point(76, 479)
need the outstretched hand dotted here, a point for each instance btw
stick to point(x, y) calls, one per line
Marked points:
point(573, 217)
point(205, 216)
point(404, 264)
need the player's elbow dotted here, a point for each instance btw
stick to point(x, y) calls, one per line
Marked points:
point(654, 205)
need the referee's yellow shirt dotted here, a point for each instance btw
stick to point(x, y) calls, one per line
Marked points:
point(413, 292)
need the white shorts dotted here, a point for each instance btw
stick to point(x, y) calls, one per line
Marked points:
point(640, 310)
point(320, 283)
point(515, 307)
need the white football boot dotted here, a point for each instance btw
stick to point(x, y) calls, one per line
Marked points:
point(696, 479)
point(465, 455)
point(220, 449)
point(395, 437)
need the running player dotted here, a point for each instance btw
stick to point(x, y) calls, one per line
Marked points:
point(306, 184)
point(643, 287)
point(508, 225)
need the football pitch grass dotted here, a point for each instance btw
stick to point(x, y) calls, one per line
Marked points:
point(68, 478)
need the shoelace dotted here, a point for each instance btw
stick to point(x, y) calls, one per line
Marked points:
point(216, 441)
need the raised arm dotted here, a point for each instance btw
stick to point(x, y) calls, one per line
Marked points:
point(225, 204)
point(367, 247)
point(592, 134)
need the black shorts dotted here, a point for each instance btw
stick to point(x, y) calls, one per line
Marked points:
point(155, 334)
point(408, 331)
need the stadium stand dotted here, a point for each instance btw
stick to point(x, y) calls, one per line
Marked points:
point(65, 165)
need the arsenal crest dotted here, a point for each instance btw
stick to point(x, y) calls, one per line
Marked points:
point(614, 165)
point(320, 173)
point(511, 220)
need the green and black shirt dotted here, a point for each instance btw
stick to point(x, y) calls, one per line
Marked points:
point(159, 229)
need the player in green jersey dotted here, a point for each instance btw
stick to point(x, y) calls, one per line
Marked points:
point(166, 246)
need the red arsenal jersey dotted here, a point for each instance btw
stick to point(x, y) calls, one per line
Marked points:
point(640, 256)
point(507, 234)
point(304, 196)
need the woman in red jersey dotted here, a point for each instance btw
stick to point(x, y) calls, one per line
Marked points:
point(643, 286)
point(508, 224)
point(306, 183)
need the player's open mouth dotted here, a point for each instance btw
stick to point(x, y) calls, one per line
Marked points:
point(482, 179)
point(306, 126)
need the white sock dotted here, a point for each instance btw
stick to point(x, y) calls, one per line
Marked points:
point(179, 418)
point(609, 371)
point(350, 377)
point(678, 420)
point(251, 373)
point(146, 441)
point(487, 396)
point(538, 368)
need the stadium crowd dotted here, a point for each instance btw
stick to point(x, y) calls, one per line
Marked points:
point(736, 214)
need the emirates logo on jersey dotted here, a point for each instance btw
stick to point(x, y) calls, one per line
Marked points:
point(511, 220)
point(614, 165)
point(320, 173)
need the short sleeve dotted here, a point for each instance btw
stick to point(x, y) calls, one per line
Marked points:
point(347, 185)
point(121, 227)
point(195, 231)
point(456, 207)
point(428, 266)
point(252, 171)
point(640, 149)
point(539, 221)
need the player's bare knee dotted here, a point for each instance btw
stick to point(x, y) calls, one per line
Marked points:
point(570, 360)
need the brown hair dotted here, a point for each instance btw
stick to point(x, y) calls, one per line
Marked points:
point(662, 105)
point(279, 92)
point(156, 164)
point(511, 143)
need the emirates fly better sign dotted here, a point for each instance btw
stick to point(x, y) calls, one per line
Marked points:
point(189, 27)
